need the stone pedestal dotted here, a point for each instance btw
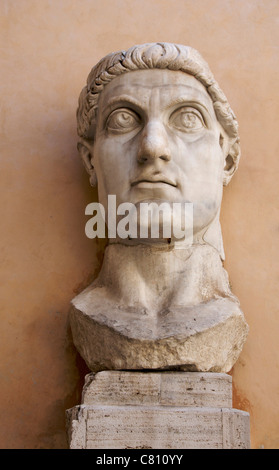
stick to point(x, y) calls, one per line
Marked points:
point(157, 410)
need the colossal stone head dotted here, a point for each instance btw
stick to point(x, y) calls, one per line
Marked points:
point(156, 56)
point(153, 124)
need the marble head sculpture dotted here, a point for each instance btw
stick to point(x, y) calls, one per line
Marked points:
point(154, 126)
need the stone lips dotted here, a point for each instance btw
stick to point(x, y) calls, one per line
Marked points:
point(159, 304)
point(207, 337)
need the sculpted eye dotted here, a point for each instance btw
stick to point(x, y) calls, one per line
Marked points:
point(122, 120)
point(187, 119)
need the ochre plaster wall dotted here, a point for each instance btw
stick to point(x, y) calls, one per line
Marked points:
point(48, 48)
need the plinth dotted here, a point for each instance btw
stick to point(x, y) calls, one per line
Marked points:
point(157, 410)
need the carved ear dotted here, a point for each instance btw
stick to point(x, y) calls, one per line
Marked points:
point(87, 157)
point(231, 151)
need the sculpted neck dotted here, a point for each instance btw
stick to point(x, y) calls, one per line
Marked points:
point(157, 277)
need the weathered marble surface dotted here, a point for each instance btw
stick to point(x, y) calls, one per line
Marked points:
point(168, 410)
point(204, 334)
point(154, 126)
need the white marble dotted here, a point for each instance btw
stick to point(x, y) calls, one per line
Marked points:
point(154, 126)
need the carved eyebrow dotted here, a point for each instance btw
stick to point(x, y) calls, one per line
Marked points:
point(123, 98)
point(131, 100)
point(126, 99)
point(187, 102)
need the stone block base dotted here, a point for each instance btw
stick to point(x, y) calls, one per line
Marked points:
point(157, 410)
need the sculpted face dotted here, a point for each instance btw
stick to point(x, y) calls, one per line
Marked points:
point(158, 139)
point(151, 134)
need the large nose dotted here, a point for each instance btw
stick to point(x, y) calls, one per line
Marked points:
point(154, 143)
